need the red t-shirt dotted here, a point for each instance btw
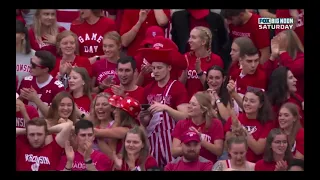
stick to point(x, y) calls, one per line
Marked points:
point(46, 93)
point(136, 94)
point(78, 61)
point(254, 127)
point(261, 165)
point(130, 18)
point(284, 13)
point(194, 23)
point(102, 69)
point(43, 46)
point(31, 111)
point(257, 80)
point(259, 37)
point(174, 73)
point(66, 16)
point(299, 143)
point(27, 158)
point(179, 165)
point(83, 103)
point(214, 132)
point(176, 96)
point(100, 161)
point(297, 101)
point(193, 83)
point(150, 163)
point(90, 36)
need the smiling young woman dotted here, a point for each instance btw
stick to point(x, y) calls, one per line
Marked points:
point(45, 30)
point(68, 48)
point(276, 154)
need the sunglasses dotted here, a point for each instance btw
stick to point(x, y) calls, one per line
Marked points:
point(34, 65)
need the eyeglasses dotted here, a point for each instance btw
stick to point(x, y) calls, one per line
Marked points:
point(279, 142)
point(34, 65)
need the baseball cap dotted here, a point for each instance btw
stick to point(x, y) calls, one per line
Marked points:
point(189, 136)
point(152, 32)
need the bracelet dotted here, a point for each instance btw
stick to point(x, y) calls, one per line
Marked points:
point(88, 162)
point(200, 73)
point(69, 169)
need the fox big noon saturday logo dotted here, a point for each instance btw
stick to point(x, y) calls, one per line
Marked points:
point(275, 23)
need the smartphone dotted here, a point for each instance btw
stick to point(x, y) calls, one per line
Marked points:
point(145, 107)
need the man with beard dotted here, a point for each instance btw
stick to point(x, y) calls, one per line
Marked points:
point(190, 160)
point(126, 67)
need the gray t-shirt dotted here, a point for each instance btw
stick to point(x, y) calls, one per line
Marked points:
point(29, 16)
point(23, 65)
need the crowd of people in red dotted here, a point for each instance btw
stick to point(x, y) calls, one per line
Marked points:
point(157, 90)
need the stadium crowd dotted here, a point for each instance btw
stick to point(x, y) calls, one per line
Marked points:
point(159, 90)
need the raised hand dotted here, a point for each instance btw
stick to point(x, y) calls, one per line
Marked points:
point(20, 107)
point(69, 151)
point(231, 86)
point(117, 161)
point(143, 14)
point(274, 47)
point(281, 166)
point(29, 94)
point(146, 69)
point(65, 67)
point(198, 65)
point(87, 150)
point(107, 82)
point(118, 90)
point(50, 39)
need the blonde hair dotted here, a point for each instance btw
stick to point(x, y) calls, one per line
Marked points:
point(87, 80)
point(294, 44)
point(63, 35)
point(95, 120)
point(204, 100)
point(205, 35)
point(113, 35)
point(37, 27)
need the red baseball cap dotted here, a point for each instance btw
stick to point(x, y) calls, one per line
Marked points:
point(189, 136)
point(131, 106)
point(199, 13)
point(152, 32)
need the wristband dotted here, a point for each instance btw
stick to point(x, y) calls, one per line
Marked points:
point(88, 162)
point(82, 116)
point(69, 169)
point(200, 73)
